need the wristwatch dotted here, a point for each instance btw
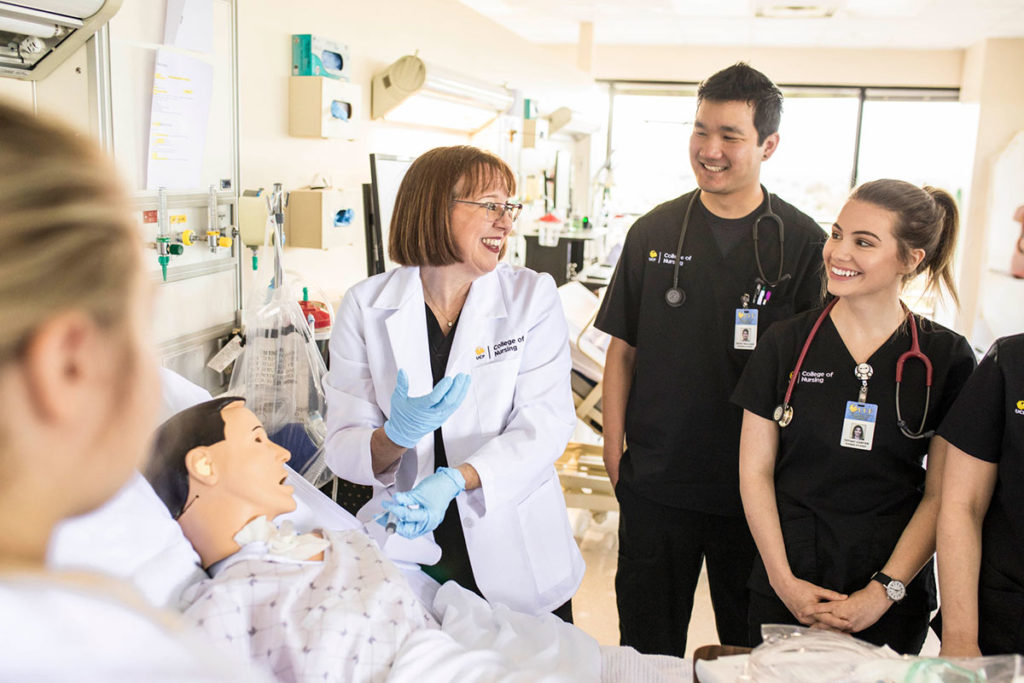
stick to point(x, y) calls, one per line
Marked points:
point(894, 590)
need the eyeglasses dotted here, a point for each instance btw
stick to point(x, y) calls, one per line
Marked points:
point(495, 211)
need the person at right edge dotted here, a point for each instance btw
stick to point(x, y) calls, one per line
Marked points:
point(981, 521)
point(746, 259)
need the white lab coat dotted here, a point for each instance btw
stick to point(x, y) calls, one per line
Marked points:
point(514, 423)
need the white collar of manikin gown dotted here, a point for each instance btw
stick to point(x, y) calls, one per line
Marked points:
point(261, 537)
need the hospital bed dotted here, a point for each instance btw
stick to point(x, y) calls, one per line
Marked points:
point(134, 538)
point(587, 346)
point(581, 468)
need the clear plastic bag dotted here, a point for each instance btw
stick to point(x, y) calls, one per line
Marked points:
point(794, 654)
point(280, 373)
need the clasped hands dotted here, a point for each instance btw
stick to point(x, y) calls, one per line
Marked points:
point(819, 607)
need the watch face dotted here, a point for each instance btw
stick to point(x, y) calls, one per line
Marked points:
point(895, 590)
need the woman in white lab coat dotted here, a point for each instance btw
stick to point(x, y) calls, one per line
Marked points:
point(79, 392)
point(449, 381)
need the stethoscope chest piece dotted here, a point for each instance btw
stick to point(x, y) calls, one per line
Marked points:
point(783, 415)
point(675, 296)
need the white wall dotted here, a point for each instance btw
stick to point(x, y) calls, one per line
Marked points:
point(16, 92)
point(992, 303)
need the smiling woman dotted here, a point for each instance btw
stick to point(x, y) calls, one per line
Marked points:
point(888, 377)
point(483, 423)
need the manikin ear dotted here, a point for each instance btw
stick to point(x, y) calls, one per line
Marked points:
point(771, 143)
point(199, 464)
point(60, 362)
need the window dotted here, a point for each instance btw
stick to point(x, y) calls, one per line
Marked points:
point(831, 138)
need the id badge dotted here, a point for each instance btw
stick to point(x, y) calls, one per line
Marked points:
point(745, 329)
point(859, 425)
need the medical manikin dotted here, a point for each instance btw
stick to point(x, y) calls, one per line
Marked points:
point(326, 605)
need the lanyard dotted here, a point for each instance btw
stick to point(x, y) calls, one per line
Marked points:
point(784, 412)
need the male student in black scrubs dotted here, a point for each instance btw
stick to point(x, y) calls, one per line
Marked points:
point(981, 520)
point(670, 369)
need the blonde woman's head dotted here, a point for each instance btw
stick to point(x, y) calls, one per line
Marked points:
point(73, 357)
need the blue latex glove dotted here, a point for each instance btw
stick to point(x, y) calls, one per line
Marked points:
point(420, 510)
point(413, 418)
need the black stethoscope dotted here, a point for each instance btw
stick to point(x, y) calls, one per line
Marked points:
point(675, 296)
point(784, 412)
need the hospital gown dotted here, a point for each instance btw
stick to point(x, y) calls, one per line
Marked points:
point(342, 619)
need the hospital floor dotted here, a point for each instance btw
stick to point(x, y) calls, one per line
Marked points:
point(594, 605)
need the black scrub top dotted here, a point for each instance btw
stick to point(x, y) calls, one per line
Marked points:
point(454, 564)
point(987, 422)
point(842, 510)
point(682, 434)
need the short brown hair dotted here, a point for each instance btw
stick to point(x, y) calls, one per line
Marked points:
point(421, 225)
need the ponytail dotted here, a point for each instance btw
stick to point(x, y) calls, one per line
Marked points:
point(940, 260)
point(927, 219)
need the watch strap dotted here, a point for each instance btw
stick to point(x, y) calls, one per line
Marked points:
point(883, 579)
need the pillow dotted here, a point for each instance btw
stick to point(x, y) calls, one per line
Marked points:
point(132, 537)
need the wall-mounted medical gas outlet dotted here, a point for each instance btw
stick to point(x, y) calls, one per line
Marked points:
point(319, 219)
point(323, 108)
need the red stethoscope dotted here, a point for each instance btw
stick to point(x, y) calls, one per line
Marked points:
point(784, 412)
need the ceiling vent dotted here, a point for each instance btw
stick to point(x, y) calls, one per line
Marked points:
point(797, 10)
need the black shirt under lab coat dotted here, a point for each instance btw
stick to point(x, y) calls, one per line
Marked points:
point(682, 434)
point(842, 509)
point(454, 564)
point(987, 422)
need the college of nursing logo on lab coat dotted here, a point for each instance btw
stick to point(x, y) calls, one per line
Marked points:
point(1020, 408)
point(501, 348)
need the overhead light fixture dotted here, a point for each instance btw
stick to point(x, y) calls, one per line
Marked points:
point(46, 32)
point(819, 9)
point(410, 91)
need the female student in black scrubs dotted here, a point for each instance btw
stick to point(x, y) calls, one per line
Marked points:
point(845, 527)
point(981, 521)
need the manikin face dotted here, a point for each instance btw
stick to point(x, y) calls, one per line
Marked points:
point(249, 466)
point(724, 151)
point(480, 240)
point(862, 256)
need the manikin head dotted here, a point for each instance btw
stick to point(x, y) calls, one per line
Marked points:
point(215, 469)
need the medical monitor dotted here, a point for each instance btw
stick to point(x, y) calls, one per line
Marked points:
point(386, 173)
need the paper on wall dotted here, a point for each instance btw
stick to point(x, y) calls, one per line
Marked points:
point(189, 25)
point(182, 90)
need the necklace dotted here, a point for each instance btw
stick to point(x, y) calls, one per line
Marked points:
point(437, 309)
